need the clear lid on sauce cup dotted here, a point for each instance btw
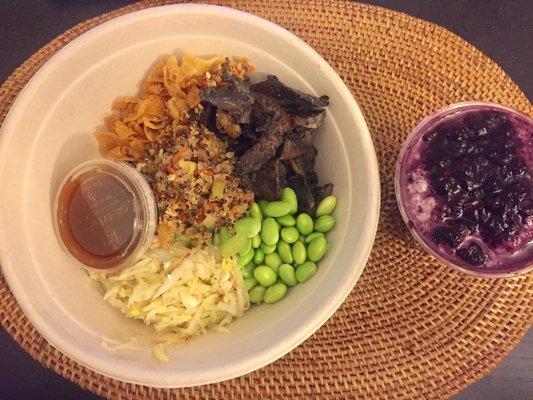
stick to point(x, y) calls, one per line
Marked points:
point(105, 214)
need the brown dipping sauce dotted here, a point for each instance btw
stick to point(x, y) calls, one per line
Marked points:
point(96, 217)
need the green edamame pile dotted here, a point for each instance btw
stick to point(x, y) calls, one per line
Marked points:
point(276, 247)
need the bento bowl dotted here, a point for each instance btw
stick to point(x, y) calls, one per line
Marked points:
point(50, 129)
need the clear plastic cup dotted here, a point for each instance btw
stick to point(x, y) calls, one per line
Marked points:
point(500, 264)
point(105, 214)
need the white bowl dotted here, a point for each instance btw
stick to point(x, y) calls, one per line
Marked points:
point(50, 129)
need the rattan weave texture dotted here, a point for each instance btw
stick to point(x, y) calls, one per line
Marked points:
point(411, 328)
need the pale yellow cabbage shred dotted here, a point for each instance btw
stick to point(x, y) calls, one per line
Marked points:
point(181, 292)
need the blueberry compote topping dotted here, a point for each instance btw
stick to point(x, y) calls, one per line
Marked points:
point(471, 188)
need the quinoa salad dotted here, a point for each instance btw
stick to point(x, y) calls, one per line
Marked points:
point(189, 169)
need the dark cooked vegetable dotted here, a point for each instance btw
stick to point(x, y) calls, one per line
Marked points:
point(259, 154)
point(205, 117)
point(234, 98)
point(293, 148)
point(309, 120)
point(304, 164)
point(306, 200)
point(290, 98)
point(242, 145)
point(306, 136)
point(267, 182)
point(277, 123)
point(321, 192)
point(270, 127)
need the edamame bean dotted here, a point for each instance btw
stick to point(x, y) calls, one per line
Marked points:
point(324, 223)
point(256, 241)
point(265, 275)
point(270, 231)
point(232, 245)
point(248, 270)
point(246, 247)
point(216, 239)
point(326, 206)
point(285, 252)
point(273, 260)
point(305, 271)
point(287, 275)
point(299, 252)
point(277, 209)
point(286, 220)
point(262, 204)
point(255, 211)
point(290, 234)
point(259, 256)
point(313, 236)
point(248, 226)
point(304, 224)
point(256, 294)
point(268, 249)
point(250, 283)
point(224, 234)
point(316, 249)
point(246, 258)
point(275, 293)
point(289, 196)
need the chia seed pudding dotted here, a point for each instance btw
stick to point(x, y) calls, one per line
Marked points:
point(464, 187)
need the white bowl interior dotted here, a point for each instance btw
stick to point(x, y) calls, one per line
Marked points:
point(50, 130)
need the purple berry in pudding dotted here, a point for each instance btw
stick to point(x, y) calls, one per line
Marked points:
point(472, 254)
point(465, 186)
point(447, 235)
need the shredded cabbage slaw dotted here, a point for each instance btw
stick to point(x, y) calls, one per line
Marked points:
point(181, 292)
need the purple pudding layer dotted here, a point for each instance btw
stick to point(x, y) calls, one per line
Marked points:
point(465, 188)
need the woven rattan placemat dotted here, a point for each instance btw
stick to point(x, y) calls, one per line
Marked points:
point(411, 328)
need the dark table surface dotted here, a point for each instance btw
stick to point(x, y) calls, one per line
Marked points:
point(499, 28)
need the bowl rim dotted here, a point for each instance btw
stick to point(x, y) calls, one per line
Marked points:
point(255, 361)
point(422, 125)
